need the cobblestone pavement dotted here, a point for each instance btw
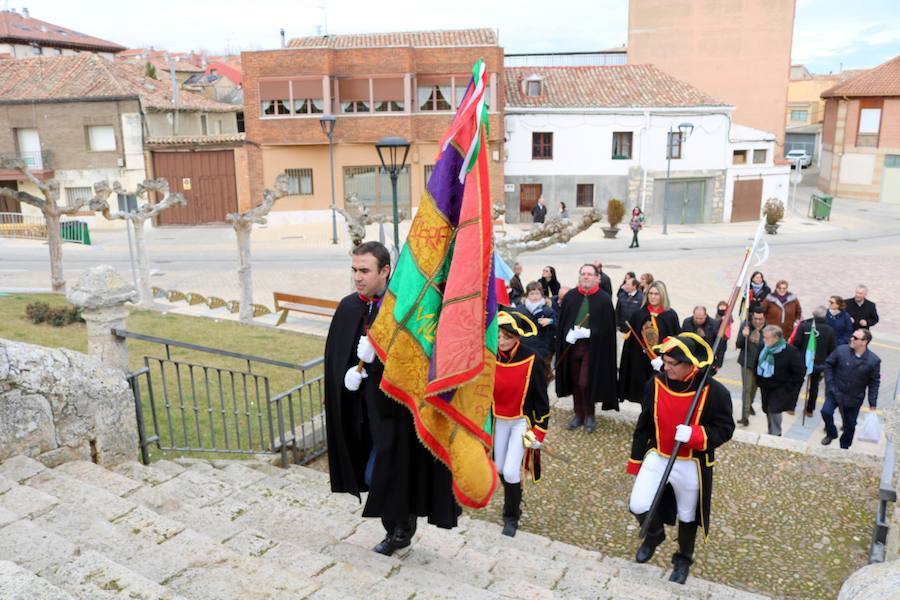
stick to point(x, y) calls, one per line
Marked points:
point(784, 524)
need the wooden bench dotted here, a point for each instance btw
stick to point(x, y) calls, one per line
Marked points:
point(285, 303)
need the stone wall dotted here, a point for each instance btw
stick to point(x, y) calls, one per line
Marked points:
point(58, 405)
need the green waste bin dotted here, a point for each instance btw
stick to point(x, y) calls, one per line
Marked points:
point(822, 206)
point(75, 231)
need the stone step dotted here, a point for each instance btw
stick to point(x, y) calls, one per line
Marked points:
point(17, 583)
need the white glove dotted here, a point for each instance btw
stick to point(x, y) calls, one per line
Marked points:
point(582, 333)
point(570, 337)
point(353, 378)
point(683, 433)
point(657, 363)
point(364, 349)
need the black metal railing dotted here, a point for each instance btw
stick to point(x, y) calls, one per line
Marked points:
point(886, 491)
point(189, 404)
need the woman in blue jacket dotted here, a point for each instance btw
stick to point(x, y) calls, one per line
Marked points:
point(839, 320)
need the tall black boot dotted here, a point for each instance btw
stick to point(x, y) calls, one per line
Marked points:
point(684, 558)
point(512, 507)
point(655, 536)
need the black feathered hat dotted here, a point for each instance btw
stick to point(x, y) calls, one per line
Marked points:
point(688, 348)
point(516, 323)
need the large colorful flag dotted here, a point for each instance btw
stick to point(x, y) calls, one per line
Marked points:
point(436, 331)
point(811, 348)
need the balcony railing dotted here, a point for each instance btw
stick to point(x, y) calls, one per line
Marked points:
point(36, 160)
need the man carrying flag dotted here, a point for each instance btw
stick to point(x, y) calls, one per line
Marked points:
point(816, 338)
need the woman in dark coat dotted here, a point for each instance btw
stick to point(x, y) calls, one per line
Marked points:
point(652, 323)
point(540, 311)
point(779, 373)
point(549, 282)
point(840, 321)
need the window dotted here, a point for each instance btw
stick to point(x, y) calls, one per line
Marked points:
point(584, 195)
point(869, 126)
point(101, 138)
point(739, 157)
point(354, 94)
point(533, 89)
point(434, 93)
point(74, 195)
point(274, 98)
point(204, 125)
point(621, 148)
point(300, 181)
point(759, 157)
point(307, 98)
point(892, 161)
point(240, 122)
point(127, 202)
point(541, 145)
point(387, 95)
point(429, 169)
point(295, 97)
point(673, 147)
point(800, 115)
point(372, 187)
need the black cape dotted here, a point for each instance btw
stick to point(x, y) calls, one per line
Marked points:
point(635, 369)
point(406, 479)
point(716, 419)
point(601, 349)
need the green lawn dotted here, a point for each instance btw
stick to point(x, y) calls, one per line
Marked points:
point(201, 399)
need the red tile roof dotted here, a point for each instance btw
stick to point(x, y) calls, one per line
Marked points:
point(883, 80)
point(417, 39)
point(89, 76)
point(635, 86)
point(15, 27)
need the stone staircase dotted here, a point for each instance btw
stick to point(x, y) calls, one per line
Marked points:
point(245, 529)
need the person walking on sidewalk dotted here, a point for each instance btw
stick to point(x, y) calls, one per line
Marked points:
point(824, 345)
point(749, 342)
point(850, 371)
point(780, 375)
point(539, 212)
point(783, 309)
point(862, 310)
point(636, 224)
point(839, 320)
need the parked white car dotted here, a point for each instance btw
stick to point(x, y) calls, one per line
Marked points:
point(799, 156)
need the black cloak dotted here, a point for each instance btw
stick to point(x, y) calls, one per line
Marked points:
point(635, 369)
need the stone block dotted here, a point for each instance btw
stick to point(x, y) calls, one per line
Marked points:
point(745, 437)
point(97, 476)
point(148, 525)
point(141, 474)
point(93, 575)
point(26, 424)
point(783, 443)
point(432, 585)
point(514, 588)
point(19, 468)
point(248, 579)
point(35, 548)
point(72, 492)
point(26, 502)
point(363, 558)
point(17, 583)
point(880, 580)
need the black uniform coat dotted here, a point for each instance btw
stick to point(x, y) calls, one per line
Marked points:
point(544, 343)
point(780, 391)
point(825, 342)
point(635, 369)
point(406, 478)
point(716, 419)
point(601, 347)
point(865, 312)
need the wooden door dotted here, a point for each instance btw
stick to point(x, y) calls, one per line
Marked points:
point(747, 200)
point(9, 205)
point(207, 180)
point(529, 193)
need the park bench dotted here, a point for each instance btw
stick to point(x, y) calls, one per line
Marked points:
point(285, 303)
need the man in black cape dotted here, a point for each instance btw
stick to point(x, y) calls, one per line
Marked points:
point(586, 349)
point(372, 443)
point(688, 492)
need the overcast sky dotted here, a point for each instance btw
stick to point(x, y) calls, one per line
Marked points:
point(827, 33)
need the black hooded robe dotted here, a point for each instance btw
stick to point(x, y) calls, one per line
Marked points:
point(635, 369)
point(601, 347)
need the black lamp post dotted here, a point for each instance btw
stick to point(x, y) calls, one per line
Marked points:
point(389, 152)
point(684, 131)
point(327, 122)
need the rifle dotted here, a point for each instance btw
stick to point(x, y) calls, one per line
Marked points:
point(720, 336)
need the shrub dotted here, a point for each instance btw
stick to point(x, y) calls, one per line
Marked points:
point(615, 210)
point(774, 210)
point(40, 312)
point(37, 312)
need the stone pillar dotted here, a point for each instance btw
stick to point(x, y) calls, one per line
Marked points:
point(101, 293)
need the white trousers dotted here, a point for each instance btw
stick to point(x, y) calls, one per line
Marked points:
point(508, 447)
point(684, 478)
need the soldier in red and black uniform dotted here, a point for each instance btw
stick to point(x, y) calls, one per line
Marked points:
point(667, 399)
point(521, 408)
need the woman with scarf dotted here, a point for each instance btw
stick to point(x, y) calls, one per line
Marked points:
point(779, 373)
point(840, 321)
point(653, 322)
point(782, 308)
point(549, 283)
point(636, 223)
point(540, 311)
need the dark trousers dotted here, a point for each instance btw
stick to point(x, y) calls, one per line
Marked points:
point(812, 393)
point(634, 240)
point(848, 415)
point(579, 371)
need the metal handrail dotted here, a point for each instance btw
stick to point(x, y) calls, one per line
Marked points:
point(886, 491)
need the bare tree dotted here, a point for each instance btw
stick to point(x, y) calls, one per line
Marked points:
point(243, 225)
point(52, 211)
point(136, 220)
point(553, 231)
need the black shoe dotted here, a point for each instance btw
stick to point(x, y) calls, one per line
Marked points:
point(575, 423)
point(744, 422)
point(590, 424)
point(680, 572)
point(827, 440)
point(386, 546)
point(398, 539)
point(510, 525)
point(645, 552)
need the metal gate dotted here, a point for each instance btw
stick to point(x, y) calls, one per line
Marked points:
point(207, 180)
point(188, 406)
point(686, 203)
point(747, 200)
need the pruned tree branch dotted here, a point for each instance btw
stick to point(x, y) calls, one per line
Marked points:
point(258, 213)
point(553, 231)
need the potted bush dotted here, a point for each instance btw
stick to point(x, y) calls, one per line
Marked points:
point(615, 210)
point(773, 209)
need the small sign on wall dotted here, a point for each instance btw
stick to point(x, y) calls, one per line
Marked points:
point(509, 187)
point(186, 183)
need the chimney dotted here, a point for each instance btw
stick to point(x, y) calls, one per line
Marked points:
point(174, 80)
point(25, 12)
point(282, 37)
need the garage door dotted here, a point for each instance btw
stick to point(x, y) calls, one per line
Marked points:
point(686, 201)
point(890, 179)
point(747, 200)
point(207, 181)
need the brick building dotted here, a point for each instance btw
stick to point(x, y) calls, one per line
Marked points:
point(861, 136)
point(22, 36)
point(399, 84)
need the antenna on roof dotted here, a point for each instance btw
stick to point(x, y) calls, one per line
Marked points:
point(282, 37)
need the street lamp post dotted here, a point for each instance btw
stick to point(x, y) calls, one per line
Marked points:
point(684, 131)
point(389, 149)
point(327, 123)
